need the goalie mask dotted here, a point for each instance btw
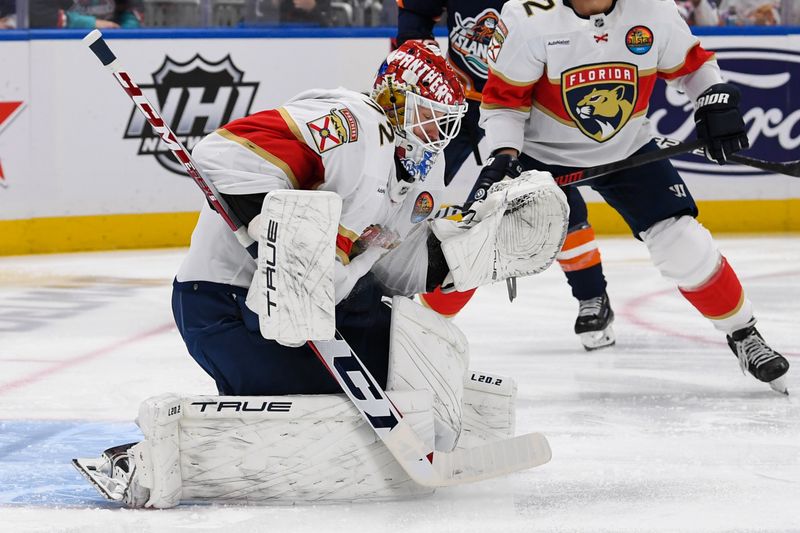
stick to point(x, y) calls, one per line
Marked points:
point(424, 101)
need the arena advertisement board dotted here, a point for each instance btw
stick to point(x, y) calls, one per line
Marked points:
point(767, 71)
point(71, 144)
point(108, 161)
point(15, 106)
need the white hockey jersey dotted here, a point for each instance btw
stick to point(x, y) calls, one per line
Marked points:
point(574, 91)
point(333, 140)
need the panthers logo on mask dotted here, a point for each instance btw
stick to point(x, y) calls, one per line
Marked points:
point(600, 98)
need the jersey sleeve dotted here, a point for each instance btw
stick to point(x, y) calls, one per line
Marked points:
point(682, 61)
point(681, 53)
point(514, 69)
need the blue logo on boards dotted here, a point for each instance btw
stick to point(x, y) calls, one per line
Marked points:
point(769, 80)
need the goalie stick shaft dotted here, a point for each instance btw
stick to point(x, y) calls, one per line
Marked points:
point(421, 463)
point(94, 40)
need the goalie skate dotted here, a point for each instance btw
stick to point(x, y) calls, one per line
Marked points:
point(110, 473)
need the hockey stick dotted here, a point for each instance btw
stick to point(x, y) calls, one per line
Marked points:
point(671, 150)
point(787, 168)
point(94, 40)
point(422, 464)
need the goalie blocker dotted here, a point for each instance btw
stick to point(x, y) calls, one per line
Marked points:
point(310, 448)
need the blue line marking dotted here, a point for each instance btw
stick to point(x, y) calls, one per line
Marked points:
point(35, 455)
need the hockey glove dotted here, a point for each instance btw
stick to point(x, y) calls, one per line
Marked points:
point(497, 167)
point(719, 122)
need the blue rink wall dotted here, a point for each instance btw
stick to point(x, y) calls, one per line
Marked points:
point(79, 170)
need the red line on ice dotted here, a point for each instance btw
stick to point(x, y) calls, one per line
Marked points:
point(94, 354)
point(631, 312)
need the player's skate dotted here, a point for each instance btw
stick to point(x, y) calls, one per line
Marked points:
point(111, 475)
point(593, 324)
point(755, 356)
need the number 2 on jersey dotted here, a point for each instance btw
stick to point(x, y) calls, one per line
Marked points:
point(544, 5)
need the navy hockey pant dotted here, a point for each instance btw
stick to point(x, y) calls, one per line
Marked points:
point(222, 335)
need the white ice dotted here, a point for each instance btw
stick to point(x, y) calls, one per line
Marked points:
point(660, 433)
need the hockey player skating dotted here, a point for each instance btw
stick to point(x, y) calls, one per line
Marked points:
point(569, 85)
point(470, 26)
point(335, 166)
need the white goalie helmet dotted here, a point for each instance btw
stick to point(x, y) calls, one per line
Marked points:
point(424, 101)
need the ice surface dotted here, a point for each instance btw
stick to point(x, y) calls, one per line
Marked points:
point(660, 433)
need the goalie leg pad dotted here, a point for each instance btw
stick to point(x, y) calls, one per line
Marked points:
point(292, 449)
point(428, 352)
point(489, 409)
point(155, 461)
point(255, 449)
point(521, 227)
point(293, 288)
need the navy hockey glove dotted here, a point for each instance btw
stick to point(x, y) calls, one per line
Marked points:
point(497, 167)
point(719, 122)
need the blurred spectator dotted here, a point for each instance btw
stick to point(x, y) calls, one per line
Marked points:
point(84, 14)
point(790, 12)
point(750, 12)
point(8, 14)
point(304, 11)
point(698, 12)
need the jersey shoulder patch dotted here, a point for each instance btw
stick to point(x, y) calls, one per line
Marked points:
point(334, 129)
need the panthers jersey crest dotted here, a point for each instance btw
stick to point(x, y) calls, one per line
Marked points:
point(600, 98)
point(334, 129)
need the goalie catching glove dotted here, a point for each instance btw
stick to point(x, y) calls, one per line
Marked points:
point(516, 231)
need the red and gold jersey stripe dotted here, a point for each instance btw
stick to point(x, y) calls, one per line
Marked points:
point(446, 304)
point(344, 244)
point(274, 136)
point(501, 92)
point(696, 57)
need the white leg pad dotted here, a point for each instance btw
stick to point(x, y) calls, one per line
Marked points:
point(293, 288)
point(489, 409)
point(247, 449)
point(293, 449)
point(428, 352)
point(156, 458)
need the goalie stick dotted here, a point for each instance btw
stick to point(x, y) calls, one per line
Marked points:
point(424, 465)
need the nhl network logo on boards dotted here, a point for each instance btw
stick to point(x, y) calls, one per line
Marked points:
point(195, 98)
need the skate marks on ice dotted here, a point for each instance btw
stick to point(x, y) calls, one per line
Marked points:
point(662, 433)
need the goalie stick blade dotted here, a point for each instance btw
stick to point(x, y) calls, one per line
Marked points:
point(492, 459)
point(107, 487)
point(425, 466)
